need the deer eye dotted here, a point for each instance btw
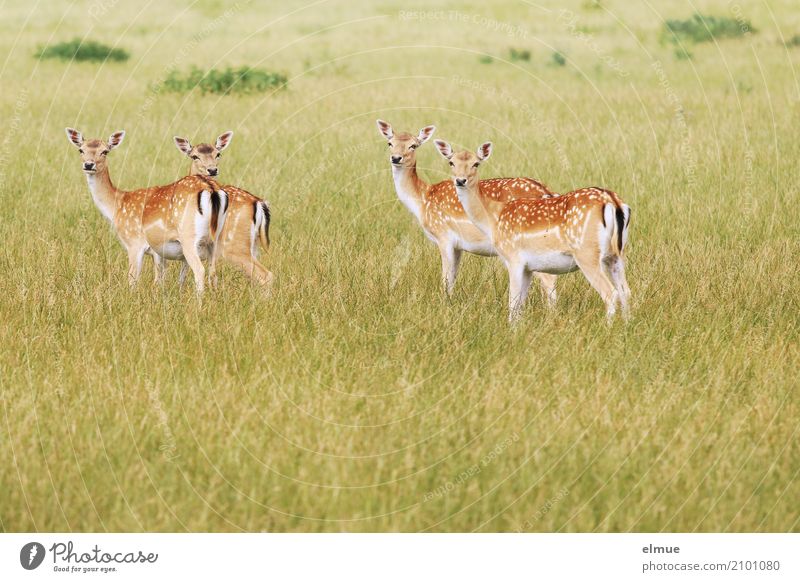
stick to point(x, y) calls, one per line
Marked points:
point(195, 157)
point(475, 165)
point(413, 146)
point(80, 150)
point(219, 156)
point(390, 145)
point(104, 153)
point(452, 165)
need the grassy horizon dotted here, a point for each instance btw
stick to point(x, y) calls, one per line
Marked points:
point(356, 397)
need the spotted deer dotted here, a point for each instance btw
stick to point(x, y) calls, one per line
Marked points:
point(586, 229)
point(177, 221)
point(441, 214)
point(248, 217)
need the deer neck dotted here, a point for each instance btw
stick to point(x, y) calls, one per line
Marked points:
point(104, 193)
point(482, 211)
point(410, 188)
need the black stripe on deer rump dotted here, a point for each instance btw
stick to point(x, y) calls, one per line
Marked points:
point(620, 226)
point(267, 220)
point(200, 202)
point(216, 204)
point(264, 206)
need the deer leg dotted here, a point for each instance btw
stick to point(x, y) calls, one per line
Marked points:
point(160, 269)
point(451, 259)
point(547, 284)
point(135, 260)
point(252, 268)
point(184, 272)
point(196, 265)
point(212, 266)
point(592, 269)
point(519, 281)
point(616, 270)
point(263, 275)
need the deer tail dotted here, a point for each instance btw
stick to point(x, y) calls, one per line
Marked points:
point(616, 218)
point(261, 219)
point(219, 210)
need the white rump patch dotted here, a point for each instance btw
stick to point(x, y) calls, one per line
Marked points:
point(202, 222)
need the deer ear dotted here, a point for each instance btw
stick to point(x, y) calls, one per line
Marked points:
point(425, 134)
point(183, 144)
point(115, 139)
point(385, 129)
point(74, 136)
point(484, 151)
point(444, 148)
point(224, 140)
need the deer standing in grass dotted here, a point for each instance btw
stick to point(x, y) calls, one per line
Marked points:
point(586, 229)
point(177, 221)
point(441, 214)
point(248, 217)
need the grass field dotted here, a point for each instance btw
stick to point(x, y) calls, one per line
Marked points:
point(356, 397)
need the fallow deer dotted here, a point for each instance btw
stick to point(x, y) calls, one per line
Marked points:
point(176, 221)
point(586, 229)
point(248, 218)
point(442, 216)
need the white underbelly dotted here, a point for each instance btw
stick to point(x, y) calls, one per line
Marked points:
point(171, 250)
point(483, 248)
point(554, 263)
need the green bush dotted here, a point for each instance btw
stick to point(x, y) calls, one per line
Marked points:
point(683, 54)
point(83, 50)
point(520, 54)
point(701, 28)
point(794, 41)
point(558, 59)
point(485, 59)
point(242, 80)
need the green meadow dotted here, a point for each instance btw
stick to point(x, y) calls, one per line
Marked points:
point(356, 396)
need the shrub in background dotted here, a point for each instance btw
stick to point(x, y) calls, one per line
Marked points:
point(520, 54)
point(682, 53)
point(240, 80)
point(701, 28)
point(558, 59)
point(83, 50)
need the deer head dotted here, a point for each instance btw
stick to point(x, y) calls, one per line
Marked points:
point(464, 165)
point(403, 146)
point(205, 157)
point(93, 151)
